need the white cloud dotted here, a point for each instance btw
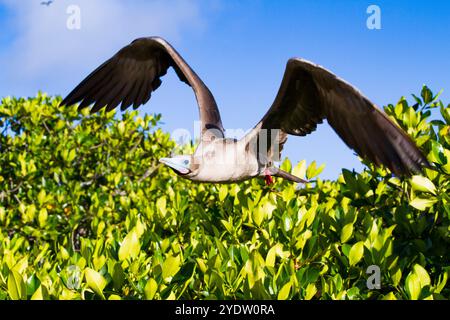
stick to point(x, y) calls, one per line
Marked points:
point(45, 50)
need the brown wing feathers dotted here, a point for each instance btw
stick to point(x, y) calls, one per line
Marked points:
point(127, 77)
point(309, 93)
point(133, 73)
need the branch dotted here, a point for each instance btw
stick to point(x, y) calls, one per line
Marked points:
point(149, 173)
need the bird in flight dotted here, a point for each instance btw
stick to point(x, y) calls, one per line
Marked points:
point(308, 94)
point(46, 3)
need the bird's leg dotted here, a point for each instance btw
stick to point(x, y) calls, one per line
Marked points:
point(267, 177)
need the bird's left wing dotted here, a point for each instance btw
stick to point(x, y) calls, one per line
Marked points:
point(309, 93)
point(133, 73)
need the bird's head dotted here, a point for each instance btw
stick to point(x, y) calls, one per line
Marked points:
point(181, 164)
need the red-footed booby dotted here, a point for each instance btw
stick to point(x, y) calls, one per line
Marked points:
point(308, 94)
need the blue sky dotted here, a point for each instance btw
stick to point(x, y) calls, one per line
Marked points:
point(240, 49)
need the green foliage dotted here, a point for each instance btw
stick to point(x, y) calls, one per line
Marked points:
point(86, 212)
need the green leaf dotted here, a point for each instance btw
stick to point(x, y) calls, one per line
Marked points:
point(42, 217)
point(258, 215)
point(287, 222)
point(423, 184)
point(442, 281)
point(427, 95)
point(223, 192)
point(346, 249)
point(227, 225)
point(271, 255)
point(445, 112)
point(32, 284)
point(353, 293)
point(422, 204)
point(40, 294)
point(390, 296)
point(412, 286)
point(41, 196)
point(201, 265)
point(118, 276)
point(311, 291)
point(161, 205)
point(346, 232)
point(17, 289)
point(286, 165)
point(95, 281)
point(170, 267)
point(150, 289)
point(171, 296)
point(130, 247)
point(300, 169)
point(71, 155)
point(356, 253)
point(396, 276)
point(350, 180)
point(121, 127)
point(283, 294)
point(422, 274)
point(313, 171)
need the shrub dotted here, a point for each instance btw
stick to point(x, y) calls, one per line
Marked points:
point(86, 212)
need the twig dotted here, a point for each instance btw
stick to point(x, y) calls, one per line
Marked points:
point(135, 146)
point(46, 128)
point(17, 199)
point(16, 188)
point(97, 146)
point(149, 172)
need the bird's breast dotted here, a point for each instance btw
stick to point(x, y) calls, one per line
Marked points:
point(226, 161)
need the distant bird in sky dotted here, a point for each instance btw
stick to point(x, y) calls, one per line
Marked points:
point(46, 3)
point(308, 94)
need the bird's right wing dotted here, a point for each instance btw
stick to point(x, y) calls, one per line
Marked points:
point(309, 93)
point(130, 76)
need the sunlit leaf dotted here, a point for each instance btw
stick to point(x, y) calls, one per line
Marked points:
point(356, 253)
point(95, 281)
point(311, 291)
point(346, 232)
point(17, 289)
point(423, 184)
point(130, 246)
point(422, 274)
point(170, 267)
point(150, 289)
point(422, 204)
point(283, 294)
point(40, 294)
point(413, 287)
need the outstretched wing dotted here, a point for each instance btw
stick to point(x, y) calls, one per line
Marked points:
point(133, 73)
point(309, 93)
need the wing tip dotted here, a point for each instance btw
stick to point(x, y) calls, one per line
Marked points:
point(410, 167)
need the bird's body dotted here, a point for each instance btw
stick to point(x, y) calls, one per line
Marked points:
point(46, 3)
point(308, 94)
point(224, 161)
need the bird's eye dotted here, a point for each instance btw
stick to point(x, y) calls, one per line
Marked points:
point(186, 162)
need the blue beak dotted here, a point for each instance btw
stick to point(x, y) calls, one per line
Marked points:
point(176, 164)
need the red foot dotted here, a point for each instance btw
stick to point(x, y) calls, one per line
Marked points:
point(268, 179)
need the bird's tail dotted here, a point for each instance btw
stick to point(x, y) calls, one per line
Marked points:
point(286, 175)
